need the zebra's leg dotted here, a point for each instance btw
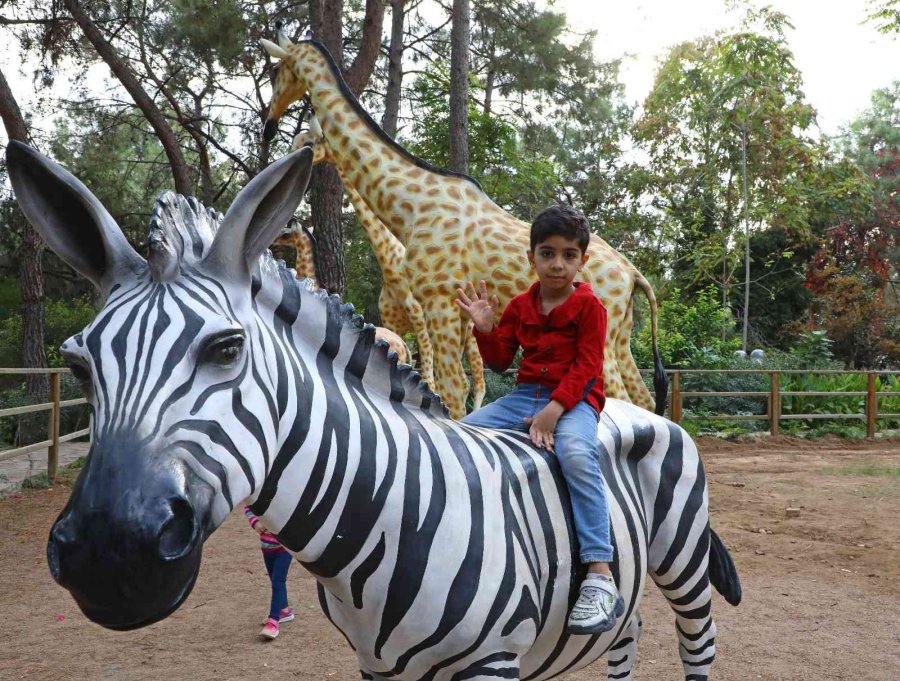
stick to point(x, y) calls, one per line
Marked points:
point(689, 594)
point(621, 657)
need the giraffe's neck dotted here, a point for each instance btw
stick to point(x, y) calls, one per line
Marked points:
point(397, 190)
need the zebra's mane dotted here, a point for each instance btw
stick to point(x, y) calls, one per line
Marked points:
point(188, 228)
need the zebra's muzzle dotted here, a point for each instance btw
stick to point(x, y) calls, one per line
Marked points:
point(130, 556)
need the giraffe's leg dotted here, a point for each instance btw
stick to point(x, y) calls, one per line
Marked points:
point(445, 330)
point(416, 317)
point(621, 657)
point(637, 390)
point(684, 581)
point(476, 364)
point(409, 309)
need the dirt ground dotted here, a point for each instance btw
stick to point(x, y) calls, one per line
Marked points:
point(821, 591)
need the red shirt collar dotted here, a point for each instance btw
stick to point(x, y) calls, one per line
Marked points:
point(559, 315)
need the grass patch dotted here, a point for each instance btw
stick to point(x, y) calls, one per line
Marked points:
point(65, 475)
point(869, 469)
point(39, 481)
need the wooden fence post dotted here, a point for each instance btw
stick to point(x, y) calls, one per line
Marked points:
point(53, 451)
point(871, 405)
point(676, 397)
point(774, 403)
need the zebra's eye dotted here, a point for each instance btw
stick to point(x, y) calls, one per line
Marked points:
point(224, 350)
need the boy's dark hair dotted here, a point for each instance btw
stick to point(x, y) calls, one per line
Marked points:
point(563, 221)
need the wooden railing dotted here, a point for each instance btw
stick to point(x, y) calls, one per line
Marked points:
point(774, 395)
point(54, 406)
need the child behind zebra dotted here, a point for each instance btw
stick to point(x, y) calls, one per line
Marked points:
point(278, 562)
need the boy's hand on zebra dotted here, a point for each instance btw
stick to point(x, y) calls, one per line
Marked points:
point(481, 307)
point(543, 424)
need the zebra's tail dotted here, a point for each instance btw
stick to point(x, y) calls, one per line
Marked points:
point(722, 573)
point(660, 382)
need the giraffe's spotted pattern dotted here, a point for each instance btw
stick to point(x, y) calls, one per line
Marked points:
point(452, 232)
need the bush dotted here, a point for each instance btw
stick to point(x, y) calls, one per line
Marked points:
point(690, 334)
point(71, 418)
point(62, 318)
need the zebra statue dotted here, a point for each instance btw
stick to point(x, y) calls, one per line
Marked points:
point(442, 551)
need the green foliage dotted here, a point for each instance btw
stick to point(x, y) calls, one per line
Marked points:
point(710, 93)
point(363, 273)
point(691, 333)
point(62, 318)
point(885, 14)
point(868, 469)
point(10, 298)
point(11, 396)
point(40, 481)
point(510, 174)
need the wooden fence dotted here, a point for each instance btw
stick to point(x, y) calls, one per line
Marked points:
point(54, 406)
point(774, 396)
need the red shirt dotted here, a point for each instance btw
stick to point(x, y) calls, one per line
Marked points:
point(563, 350)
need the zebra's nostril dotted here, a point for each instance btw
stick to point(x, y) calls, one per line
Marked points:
point(176, 537)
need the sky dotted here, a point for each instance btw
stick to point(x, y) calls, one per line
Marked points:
point(842, 60)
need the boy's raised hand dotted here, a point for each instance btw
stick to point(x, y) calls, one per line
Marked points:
point(481, 307)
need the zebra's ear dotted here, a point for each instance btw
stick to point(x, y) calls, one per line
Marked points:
point(70, 218)
point(259, 214)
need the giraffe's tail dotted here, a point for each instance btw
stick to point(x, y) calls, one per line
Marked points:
point(660, 382)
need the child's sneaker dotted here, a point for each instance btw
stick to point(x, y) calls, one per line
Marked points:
point(286, 615)
point(597, 607)
point(270, 629)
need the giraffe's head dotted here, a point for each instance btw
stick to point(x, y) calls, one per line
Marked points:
point(174, 368)
point(290, 80)
point(314, 138)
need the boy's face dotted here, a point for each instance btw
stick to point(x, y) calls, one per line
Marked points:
point(557, 260)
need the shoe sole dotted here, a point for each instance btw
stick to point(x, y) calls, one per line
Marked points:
point(602, 627)
point(289, 618)
point(267, 636)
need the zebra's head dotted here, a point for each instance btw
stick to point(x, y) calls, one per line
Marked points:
point(183, 422)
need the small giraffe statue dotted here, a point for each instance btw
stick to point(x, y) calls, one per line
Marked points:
point(399, 308)
point(452, 231)
point(302, 241)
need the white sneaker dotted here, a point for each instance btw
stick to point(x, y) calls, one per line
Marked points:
point(597, 607)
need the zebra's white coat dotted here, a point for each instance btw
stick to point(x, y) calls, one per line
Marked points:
point(442, 551)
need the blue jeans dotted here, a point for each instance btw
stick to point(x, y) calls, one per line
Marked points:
point(277, 565)
point(575, 445)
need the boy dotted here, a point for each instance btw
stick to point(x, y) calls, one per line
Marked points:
point(561, 326)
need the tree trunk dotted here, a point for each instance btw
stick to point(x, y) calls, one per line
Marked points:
point(488, 91)
point(326, 195)
point(31, 277)
point(180, 171)
point(325, 189)
point(395, 70)
point(357, 76)
point(459, 87)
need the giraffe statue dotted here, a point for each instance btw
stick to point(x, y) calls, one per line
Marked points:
point(302, 241)
point(398, 307)
point(452, 231)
